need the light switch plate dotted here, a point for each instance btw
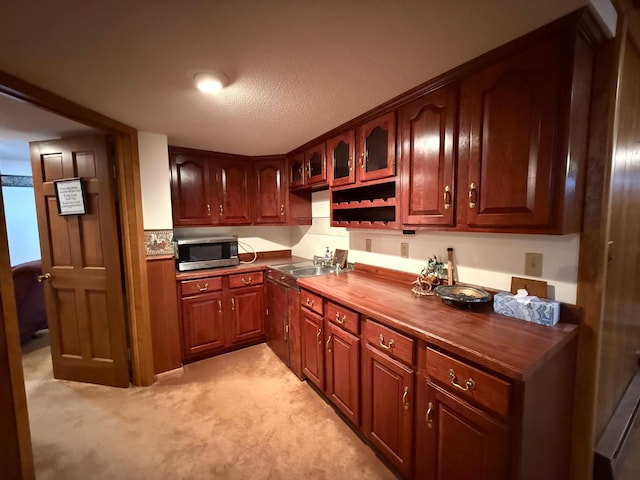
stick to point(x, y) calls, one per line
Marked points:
point(404, 250)
point(367, 245)
point(533, 264)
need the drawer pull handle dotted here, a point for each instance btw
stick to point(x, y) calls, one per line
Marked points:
point(454, 381)
point(310, 302)
point(429, 419)
point(386, 347)
point(340, 321)
point(203, 289)
point(246, 282)
point(405, 401)
point(319, 336)
point(329, 343)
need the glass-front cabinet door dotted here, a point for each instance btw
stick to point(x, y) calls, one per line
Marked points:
point(315, 164)
point(340, 155)
point(296, 170)
point(376, 148)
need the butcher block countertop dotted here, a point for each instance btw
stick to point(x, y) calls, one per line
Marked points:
point(511, 347)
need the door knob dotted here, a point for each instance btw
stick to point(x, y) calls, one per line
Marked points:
point(44, 278)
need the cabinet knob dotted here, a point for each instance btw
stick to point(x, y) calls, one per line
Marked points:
point(473, 195)
point(469, 384)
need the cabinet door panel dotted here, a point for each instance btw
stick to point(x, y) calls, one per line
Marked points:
point(376, 148)
point(510, 111)
point(270, 195)
point(203, 324)
point(191, 191)
point(340, 159)
point(296, 170)
point(277, 320)
point(234, 206)
point(343, 371)
point(312, 347)
point(428, 129)
point(246, 314)
point(316, 165)
point(463, 442)
point(388, 407)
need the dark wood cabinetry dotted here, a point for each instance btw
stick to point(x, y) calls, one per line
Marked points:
point(342, 360)
point(428, 130)
point(365, 196)
point(388, 407)
point(340, 159)
point(270, 198)
point(315, 164)
point(376, 148)
point(463, 442)
point(221, 313)
point(312, 337)
point(208, 189)
point(296, 170)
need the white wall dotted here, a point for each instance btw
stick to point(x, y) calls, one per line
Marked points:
point(155, 181)
point(20, 210)
point(484, 259)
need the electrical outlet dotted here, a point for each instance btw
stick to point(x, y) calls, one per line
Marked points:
point(533, 264)
point(367, 245)
point(404, 250)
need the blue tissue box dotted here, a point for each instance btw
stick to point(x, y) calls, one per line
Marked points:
point(538, 310)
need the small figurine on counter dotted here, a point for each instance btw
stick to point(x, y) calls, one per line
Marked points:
point(431, 276)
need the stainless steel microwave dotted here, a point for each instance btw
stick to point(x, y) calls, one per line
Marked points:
point(209, 252)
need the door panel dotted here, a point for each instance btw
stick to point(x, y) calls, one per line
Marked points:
point(270, 196)
point(191, 191)
point(277, 320)
point(247, 307)
point(84, 297)
point(234, 206)
point(312, 347)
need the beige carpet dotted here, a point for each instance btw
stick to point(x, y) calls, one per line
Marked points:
point(243, 415)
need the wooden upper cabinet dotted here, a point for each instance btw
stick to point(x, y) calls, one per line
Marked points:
point(191, 190)
point(513, 145)
point(296, 170)
point(315, 164)
point(428, 138)
point(270, 199)
point(340, 159)
point(376, 148)
point(233, 201)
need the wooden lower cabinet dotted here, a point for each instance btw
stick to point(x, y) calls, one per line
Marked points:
point(342, 372)
point(462, 442)
point(388, 407)
point(215, 318)
point(203, 324)
point(312, 347)
point(246, 320)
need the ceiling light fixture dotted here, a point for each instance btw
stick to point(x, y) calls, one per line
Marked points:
point(210, 82)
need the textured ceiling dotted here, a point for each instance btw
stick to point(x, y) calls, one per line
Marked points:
point(298, 68)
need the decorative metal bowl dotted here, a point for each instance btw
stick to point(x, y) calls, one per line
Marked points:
point(461, 296)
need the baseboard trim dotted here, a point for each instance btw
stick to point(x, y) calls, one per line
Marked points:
point(612, 441)
point(176, 372)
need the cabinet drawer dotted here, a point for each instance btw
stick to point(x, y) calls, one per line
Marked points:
point(395, 344)
point(201, 285)
point(246, 279)
point(347, 319)
point(470, 383)
point(312, 301)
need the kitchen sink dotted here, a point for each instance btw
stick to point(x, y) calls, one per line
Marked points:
point(312, 271)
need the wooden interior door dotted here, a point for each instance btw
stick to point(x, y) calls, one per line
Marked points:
point(84, 294)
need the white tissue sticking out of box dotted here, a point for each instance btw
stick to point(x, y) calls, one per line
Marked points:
point(525, 307)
